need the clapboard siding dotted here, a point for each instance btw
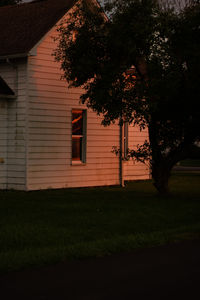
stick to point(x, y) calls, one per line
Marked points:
point(49, 126)
point(74, 184)
point(3, 144)
point(35, 130)
point(14, 73)
point(135, 170)
point(50, 104)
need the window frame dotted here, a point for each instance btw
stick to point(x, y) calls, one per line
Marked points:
point(82, 136)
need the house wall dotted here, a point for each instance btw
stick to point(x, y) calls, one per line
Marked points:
point(50, 103)
point(3, 144)
point(13, 127)
point(49, 147)
point(135, 170)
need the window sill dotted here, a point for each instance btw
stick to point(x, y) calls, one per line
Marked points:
point(77, 163)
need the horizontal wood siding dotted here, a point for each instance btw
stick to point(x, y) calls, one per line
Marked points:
point(49, 127)
point(14, 73)
point(135, 170)
point(3, 144)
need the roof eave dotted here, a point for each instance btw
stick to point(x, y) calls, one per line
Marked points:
point(17, 55)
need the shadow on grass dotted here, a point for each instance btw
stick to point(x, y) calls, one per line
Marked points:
point(44, 227)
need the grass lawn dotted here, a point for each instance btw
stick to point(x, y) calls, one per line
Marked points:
point(45, 227)
point(190, 163)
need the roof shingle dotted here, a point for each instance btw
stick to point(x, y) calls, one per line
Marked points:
point(22, 26)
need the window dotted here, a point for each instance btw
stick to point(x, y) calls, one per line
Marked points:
point(78, 135)
point(125, 139)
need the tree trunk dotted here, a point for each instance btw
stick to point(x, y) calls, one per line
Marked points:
point(161, 175)
point(160, 167)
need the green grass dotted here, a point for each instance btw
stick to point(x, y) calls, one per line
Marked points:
point(45, 227)
point(190, 163)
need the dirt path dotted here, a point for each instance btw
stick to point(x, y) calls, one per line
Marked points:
point(167, 272)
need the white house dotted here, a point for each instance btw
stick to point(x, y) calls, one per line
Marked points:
point(47, 138)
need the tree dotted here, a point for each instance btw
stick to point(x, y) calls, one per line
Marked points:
point(9, 2)
point(142, 65)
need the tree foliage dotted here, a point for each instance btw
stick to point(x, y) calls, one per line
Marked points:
point(142, 65)
point(9, 2)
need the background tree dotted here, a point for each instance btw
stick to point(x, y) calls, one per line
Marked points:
point(177, 4)
point(141, 66)
point(9, 2)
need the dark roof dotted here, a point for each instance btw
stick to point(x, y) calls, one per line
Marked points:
point(23, 25)
point(5, 89)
